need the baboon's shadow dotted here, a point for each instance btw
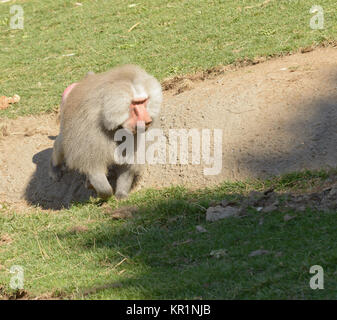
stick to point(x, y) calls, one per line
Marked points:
point(44, 192)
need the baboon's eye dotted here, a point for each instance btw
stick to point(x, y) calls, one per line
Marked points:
point(137, 102)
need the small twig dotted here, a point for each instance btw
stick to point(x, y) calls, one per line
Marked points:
point(134, 26)
point(119, 263)
point(42, 251)
point(59, 243)
point(115, 266)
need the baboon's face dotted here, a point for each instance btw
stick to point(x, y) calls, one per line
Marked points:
point(139, 117)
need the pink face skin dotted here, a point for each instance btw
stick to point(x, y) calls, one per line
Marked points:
point(138, 115)
point(67, 91)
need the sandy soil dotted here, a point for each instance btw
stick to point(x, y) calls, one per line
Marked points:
point(276, 117)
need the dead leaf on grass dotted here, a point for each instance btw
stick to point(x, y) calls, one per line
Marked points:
point(6, 101)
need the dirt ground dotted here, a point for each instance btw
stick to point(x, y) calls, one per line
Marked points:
point(276, 117)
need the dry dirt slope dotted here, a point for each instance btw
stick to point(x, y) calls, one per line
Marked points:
point(276, 117)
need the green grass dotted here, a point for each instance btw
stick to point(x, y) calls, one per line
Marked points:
point(174, 37)
point(159, 254)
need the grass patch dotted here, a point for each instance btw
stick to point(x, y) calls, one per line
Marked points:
point(84, 253)
point(61, 41)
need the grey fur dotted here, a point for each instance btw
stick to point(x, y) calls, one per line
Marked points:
point(93, 110)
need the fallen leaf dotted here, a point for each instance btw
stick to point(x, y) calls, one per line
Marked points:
point(6, 101)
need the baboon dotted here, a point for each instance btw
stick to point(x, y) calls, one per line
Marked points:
point(125, 98)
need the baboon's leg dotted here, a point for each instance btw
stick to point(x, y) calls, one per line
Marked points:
point(124, 181)
point(101, 184)
point(56, 161)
